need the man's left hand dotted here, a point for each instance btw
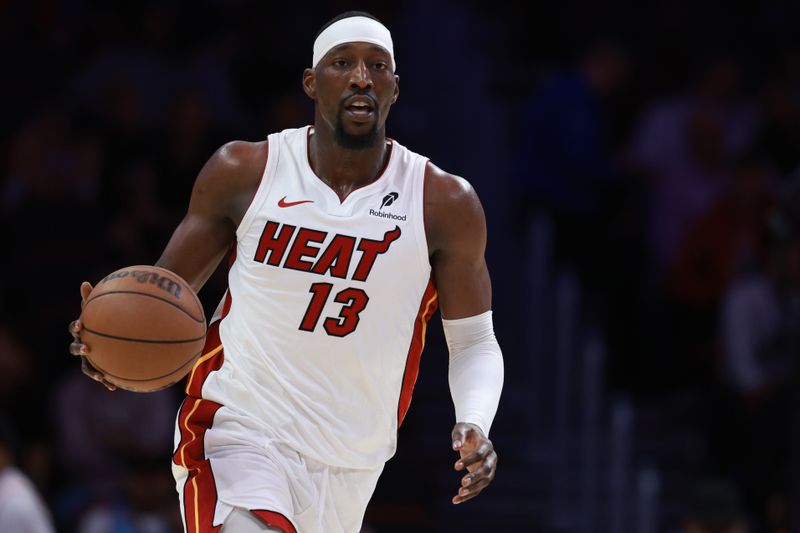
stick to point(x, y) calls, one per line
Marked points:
point(477, 456)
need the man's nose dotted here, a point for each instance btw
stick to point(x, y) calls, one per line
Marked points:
point(360, 76)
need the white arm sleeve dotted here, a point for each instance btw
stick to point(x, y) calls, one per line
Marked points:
point(476, 369)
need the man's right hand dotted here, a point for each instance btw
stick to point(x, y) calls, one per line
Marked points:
point(79, 349)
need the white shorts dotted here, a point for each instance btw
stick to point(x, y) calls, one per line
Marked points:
point(223, 461)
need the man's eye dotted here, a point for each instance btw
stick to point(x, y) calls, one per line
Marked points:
point(340, 63)
point(381, 66)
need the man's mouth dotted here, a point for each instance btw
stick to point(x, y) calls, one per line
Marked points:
point(359, 107)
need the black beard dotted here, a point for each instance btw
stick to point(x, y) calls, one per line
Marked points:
point(355, 142)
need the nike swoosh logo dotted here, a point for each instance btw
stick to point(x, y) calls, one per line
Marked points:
point(283, 203)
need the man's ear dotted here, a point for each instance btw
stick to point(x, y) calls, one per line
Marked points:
point(310, 83)
point(396, 88)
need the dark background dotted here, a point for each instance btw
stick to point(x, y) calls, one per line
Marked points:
point(638, 163)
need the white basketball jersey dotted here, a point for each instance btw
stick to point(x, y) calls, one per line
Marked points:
point(328, 305)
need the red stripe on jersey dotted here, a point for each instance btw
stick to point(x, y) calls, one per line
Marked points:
point(426, 309)
point(226, 306)
point(211, 360)
point(274, 519)
point(199, 491)
point(232, 255)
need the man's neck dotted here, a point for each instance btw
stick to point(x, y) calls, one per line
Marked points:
point(343, 169)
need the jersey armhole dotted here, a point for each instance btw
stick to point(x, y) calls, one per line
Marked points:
point(422, 240)
point(273, 148)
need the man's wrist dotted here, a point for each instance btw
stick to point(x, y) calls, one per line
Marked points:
point(474, 425)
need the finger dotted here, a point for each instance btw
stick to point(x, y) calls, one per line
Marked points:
point(478, 455)
point(466, 433)
point(75, 327)
point(89, 370)
point(98, 377)
point(92, 372)
point(467, 493)
point(458, 436)
point(479, 485)
point(474, 477)
point(77, 348)
point(484, 473)
point(86, 289)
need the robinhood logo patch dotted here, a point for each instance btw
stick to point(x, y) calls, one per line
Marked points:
point(386, 202)
point(389, 199)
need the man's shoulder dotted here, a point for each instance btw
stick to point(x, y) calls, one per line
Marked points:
point(452, 208)
point(239, 153)
point(232, 174)
point(444, 187)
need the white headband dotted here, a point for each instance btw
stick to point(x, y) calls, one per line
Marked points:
point(350, 30)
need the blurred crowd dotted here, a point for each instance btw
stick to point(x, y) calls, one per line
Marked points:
point(672, 178)
point(681, 215)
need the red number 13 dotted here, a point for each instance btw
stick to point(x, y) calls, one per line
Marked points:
point(354, 300)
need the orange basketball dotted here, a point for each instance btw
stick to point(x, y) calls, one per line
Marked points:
point(144, 327)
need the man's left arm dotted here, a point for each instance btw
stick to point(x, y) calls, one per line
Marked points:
point(456, 230)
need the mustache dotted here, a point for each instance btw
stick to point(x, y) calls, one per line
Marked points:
point(361, 92)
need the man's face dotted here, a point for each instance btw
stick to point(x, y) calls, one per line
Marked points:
point(353, 87)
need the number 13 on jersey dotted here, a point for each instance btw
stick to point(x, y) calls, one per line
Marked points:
point(353, 302)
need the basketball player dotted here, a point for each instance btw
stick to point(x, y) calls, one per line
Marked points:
point(345, 243)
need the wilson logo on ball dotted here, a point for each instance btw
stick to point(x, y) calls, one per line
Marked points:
point(142, 276)
point(138, 333)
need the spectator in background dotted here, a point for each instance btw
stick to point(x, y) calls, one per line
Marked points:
point(727, 241)
point(761, 314)
point(677, 198)
point(22, 510)
point(661, 142)
point(723, 243)
point(683, 146)
point(760, 337)
point(688, 187)
point(562, 164)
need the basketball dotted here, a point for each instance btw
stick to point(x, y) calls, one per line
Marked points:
point(144, 327)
